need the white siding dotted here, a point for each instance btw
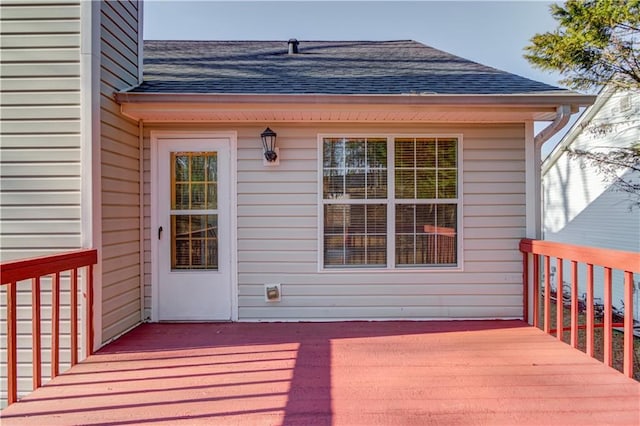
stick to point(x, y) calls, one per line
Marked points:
point(120, 171)
point(278, 229)
point(40, 157)
point(579, 207)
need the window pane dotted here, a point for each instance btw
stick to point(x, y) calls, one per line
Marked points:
point(355, 183)
point(404, 153)
point(194, 242)
point(354, 153)
point(447, 184)
point(197, 196)
point(181, 201)
point(377, 219)
point(405, 184)
point(355, 235)
point(447, 157)
point(212, 196)
point(197, 168)
point(212, 168)
point(426, 153)
point(333, 250)
point(426, 184)
point(181, 168)
point(333, 184)
point(333, 153)
point(377, 153)
point(428, 236)
point(376, 184)
point(334, 218)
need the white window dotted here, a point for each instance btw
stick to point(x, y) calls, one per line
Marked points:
point(390, 202)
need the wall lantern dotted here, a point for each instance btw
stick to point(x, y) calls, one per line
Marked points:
point(269, 145)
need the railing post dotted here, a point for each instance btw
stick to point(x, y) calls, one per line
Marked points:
point(12, 350)
point(36, 333)
point(628, 324)
point(608, 331)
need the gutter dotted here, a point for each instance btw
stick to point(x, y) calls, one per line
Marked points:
point(539, 99)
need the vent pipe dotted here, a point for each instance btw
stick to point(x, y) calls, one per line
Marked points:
point(293, 46)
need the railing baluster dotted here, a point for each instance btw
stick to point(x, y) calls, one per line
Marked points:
point(608, 331)
point(547, 294)
point(590, 310)
point(12, 343)
point(536, 290)
point(89, 312)
point(55, 324)
point(74, 316)
point(574, 304)
point(628, 324)
point(559, 298)
point(36, 333)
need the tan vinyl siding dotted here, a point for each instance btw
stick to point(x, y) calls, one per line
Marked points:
point(39, 158)
point(120, 172)
point(278, 231)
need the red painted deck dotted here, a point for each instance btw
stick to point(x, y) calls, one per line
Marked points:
point(350, 373)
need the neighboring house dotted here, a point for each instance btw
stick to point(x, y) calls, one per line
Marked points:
point(405, 176)
point(580, 207)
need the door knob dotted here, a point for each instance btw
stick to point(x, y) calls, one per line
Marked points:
point(159, 232)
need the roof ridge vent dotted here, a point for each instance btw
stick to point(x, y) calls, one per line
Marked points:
point(293, 46)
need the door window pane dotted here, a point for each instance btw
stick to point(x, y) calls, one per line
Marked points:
point(194, 241)
point(194, 186)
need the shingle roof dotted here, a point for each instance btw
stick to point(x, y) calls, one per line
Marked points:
point(320, 67)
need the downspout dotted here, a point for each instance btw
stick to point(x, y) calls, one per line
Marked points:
point(141, 219)
point(533, 172)
point(563, 113)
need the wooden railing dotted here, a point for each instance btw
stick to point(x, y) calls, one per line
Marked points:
point(11, 273)
point(538, 254)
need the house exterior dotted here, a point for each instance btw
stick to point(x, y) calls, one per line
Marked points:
point(579, 206)
point(400, 190)
point(405, 176)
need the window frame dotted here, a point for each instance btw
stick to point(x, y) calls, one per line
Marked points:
point(391, 204)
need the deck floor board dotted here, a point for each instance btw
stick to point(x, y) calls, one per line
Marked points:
point(345, 373)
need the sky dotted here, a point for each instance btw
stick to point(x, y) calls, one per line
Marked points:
point(493, 33)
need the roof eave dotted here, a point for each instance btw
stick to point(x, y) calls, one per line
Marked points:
point(186, 107)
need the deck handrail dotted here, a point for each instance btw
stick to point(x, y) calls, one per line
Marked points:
point(540, 253)
point(14, 271)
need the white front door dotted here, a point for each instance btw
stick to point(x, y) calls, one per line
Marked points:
point(193, 229)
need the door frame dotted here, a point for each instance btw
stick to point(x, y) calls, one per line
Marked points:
point(232, 137)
